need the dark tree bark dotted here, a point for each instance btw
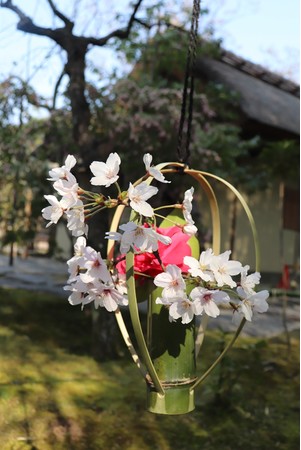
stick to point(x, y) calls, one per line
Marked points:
point(76, 48)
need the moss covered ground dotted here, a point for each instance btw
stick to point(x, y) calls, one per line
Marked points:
point(54, 395)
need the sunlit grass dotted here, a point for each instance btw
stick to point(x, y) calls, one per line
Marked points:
point(54, 395)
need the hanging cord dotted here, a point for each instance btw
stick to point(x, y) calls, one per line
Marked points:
point(184, 153)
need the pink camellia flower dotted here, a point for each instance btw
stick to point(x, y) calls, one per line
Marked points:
point(148, 264)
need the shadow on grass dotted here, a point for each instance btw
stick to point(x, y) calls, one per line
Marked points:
point(53, 395)
point(47, 319)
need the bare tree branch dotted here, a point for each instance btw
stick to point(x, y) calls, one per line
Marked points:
point(69, 24)
point(119, 33)
point(132, 18)
point(76, 48)
point(25, 23)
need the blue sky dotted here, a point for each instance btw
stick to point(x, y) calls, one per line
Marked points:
point(264, 31)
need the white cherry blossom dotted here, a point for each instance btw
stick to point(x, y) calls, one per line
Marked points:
point(54, 212)
point(79, 291)
point(143, 238)
point(76, 219)
point(68, 189)
point(138, 196)
point(248, 282)
point(251, 303)
point(96, 267)
point(202, 267)
point(206, 300)
point(120, 283)
point(63, 172)
point(107, 296)
point(183, 308)
point(77, 261)
point(106, 173)
point(171, 281)
point(223, 269)
point(147, 159)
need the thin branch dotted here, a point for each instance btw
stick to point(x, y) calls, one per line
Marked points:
point(132, 18)
point(8, 4)
point(31, 97)
point(60, 15)
point(121, 33)
point(149, 26)
point(56, 88)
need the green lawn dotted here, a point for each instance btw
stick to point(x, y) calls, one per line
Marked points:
point(54, 395)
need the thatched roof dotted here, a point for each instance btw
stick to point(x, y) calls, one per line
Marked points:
point(266, 99)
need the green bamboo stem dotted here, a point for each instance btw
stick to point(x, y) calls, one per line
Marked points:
point(118, 315)
point(134, 313)
point(172, 349)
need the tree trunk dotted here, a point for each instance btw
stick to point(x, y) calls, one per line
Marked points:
point(81, 115)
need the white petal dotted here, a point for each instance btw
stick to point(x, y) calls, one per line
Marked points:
point(147, 159)
point(187, 316)
point(246, 310)
point(70, 162)
point(190, 229)
point(157, 175)
point(220, 297)
point(233, 267)
point(174, 271)
point(142, 208)
point(259, 301)
point(162, 301)
point(130, 226)
point(164, 239)
point(98, 168)
point(109, 303)
point(173, 311)
point(162, 279)
point(113, 235)
point(197, 293)
point(211, 309)
point(113, 161)
point(191, 262)
point(145, 191)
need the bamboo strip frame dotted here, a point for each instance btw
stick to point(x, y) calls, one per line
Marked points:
point(200, 176)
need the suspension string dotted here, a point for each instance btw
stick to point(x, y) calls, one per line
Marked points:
point(184, 154)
